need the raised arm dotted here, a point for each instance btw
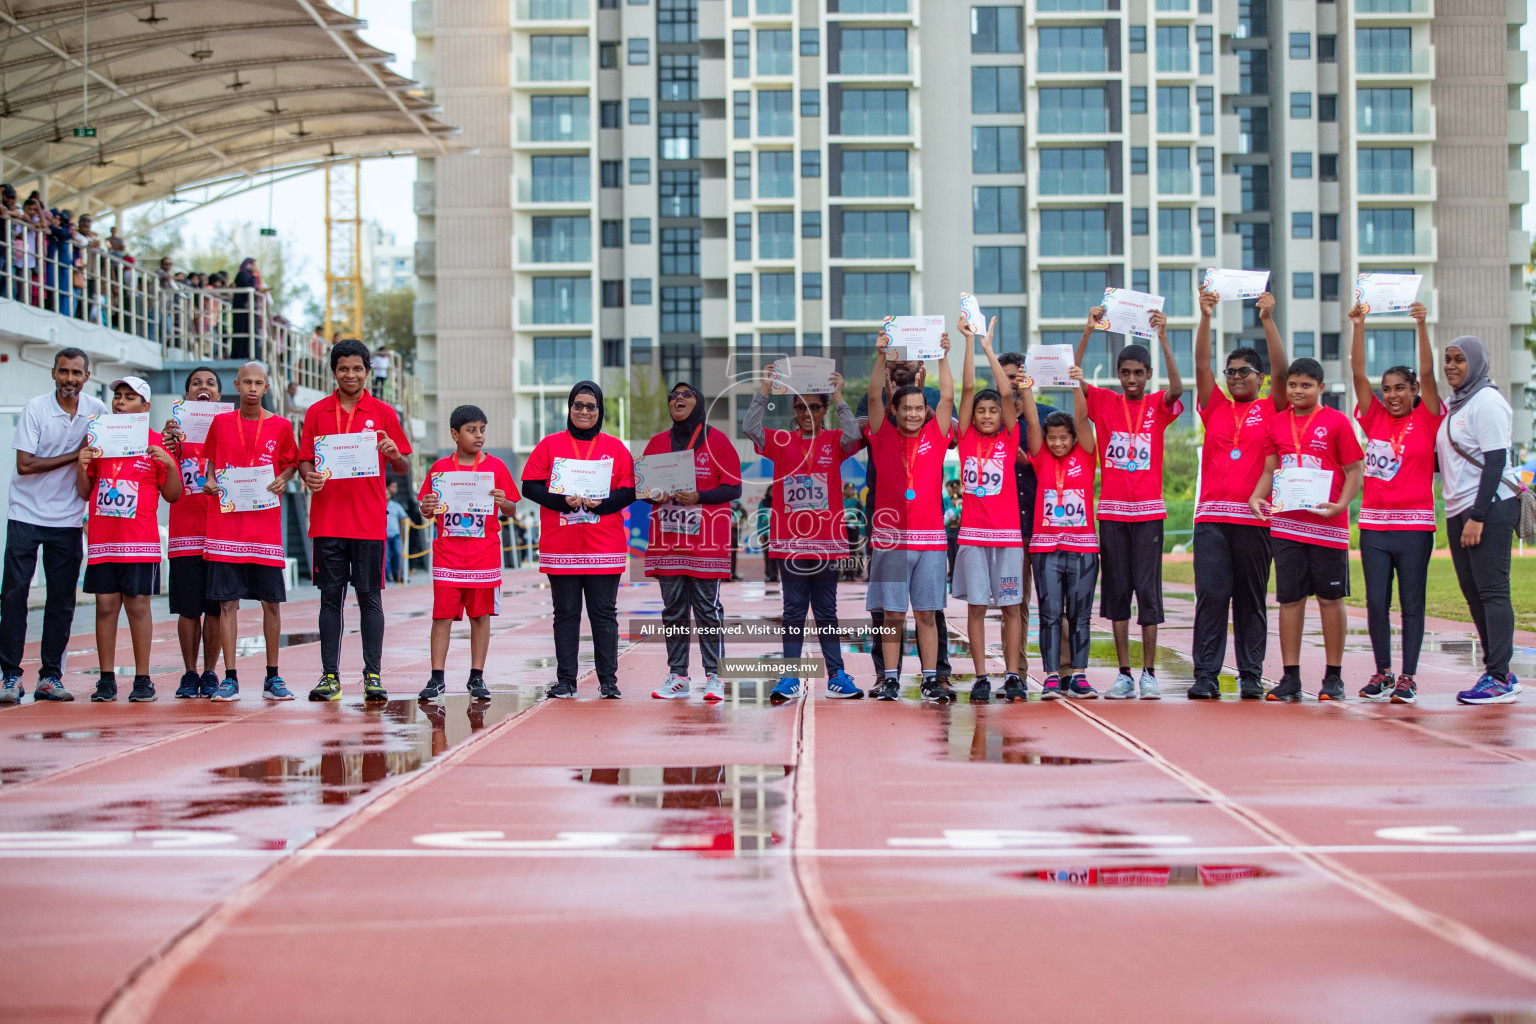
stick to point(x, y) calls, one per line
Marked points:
point(967, 374)
point(752, 421)
point(1175, 389)
point(946, 410)
point(1010, 412)
point(1357, 358)
point(1094, 316)
point(1276, 345)
point(1205, 380)
point(876, 412)
point(1429, 391)
point(1033, 434)
point(847, 422)
point(1080, 412)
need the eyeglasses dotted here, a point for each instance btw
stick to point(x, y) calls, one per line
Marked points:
point(1240, 372)
point(584, 407)
point(809, 407)
point(682, 393)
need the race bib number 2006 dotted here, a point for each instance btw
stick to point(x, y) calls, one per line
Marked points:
point(1130, 452)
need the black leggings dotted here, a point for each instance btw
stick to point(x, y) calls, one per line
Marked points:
point(370, 606)
point(601, 596)
point(1404, 553)
point(1483, 572)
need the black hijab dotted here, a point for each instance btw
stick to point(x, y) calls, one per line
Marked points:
point(682, 432)
point(585, 387)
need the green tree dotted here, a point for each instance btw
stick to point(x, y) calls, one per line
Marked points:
point(1530, 287)
point(389, 322)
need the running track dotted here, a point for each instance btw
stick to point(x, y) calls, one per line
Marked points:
point(641, 861)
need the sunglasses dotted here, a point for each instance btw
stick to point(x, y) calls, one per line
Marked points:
point(1240, 372)
point(584, 406)
point(682, 393)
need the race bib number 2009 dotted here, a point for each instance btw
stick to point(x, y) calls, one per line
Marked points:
point(982, 477)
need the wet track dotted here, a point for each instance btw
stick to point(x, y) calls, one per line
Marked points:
point(641, 860)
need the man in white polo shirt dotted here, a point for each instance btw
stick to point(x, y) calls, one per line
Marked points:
point(46, 511)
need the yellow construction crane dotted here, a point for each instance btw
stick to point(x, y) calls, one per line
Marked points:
point(343, 250)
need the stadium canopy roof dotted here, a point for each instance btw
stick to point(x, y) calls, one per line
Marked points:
point(185, 93)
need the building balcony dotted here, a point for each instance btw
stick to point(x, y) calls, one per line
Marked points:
point(1044, 9)
point(1074, 61)
point(553, 10)
point(421, 18)
point(1519, 187)
point(424, 198)
point(872, 7)
point(1393, 10)
point(554, 70)
point(875, 307)
point(1418, 185)
point(875, 184)
point(1072, 122)
point(554, 313)
point(554, 190)
point(1071, 183)
point(564, 130)
point(1519, 248)
point(1372, 121)
point(876, 247)
point(888, 63)
point(1395, 63)
point(425, 259)
point(554, 250)
point(1418, 244)
point(552, 373)
point(1175, 183)
point(424, 318)
point(874, 122)
point(1072, 243)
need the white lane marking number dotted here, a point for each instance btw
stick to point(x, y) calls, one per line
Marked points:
point(1452, 834)
point(159, 839)
point(993, 839)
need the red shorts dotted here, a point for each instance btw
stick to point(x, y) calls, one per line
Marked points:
point(450, 602)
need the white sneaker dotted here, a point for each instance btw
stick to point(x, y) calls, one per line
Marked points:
point(675, 688)
point(714, 688)
point(1149, 690)
point(1123, 689)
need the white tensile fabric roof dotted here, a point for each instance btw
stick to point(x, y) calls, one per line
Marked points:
point(192, 92)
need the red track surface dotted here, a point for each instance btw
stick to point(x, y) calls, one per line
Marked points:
point(641, 861)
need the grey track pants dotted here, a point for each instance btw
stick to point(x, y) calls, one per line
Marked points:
point(682, 595)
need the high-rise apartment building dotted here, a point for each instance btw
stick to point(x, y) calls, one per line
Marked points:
point(684, 189)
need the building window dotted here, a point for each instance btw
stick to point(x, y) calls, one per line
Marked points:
point(1010, 334)
point(1301, 285)
point(607, 55)
point(997, 29)
point(872, 295)
point(810, 285)
point(1074, 111)
point(1138, 99)
point(1301, 105)
point(875, 172)
point(1252, 72)
point(776, 174)
point(741, 162)
point(613, 294)
point(741, 54)
point(1253, 187)
point(810, 42)
point(1327, 108)
point(1173, 48)
point(1327, 49)
point(1253, 240)
point(610, 114)
point(680, 309)
point(1173, 177)
point(776, 235)
point(1174, 236)
point(997, 150)
point(640, 351)
point(639, 50)
point(679, 252)
point(744, 236)
point(1136, 39)
point(677, 21)
point(1138, 159)
point(1301, 46)
point(873, 112)
point(612, 232)
point(741, 114)
point(1141, 223)
point(810, 102)
point(1205, 44)
point(1328, 287)
point(1207, 231)
point(1072, 50)
point(1328, 227)
point(872, 51)
point(640, 291)
point(875, 234)
point(640, 111)
point(611, 173)
point(679, 134)
point(1074, 172)
point(810, 163)
point(1070, 293)
point(1173, 108)
point(775, 113)
point(640, 170)
point(1303, 344)
point(1073, 233)
point(639, 231)
point(997, 210)
point(678, 76)
point(679, 193)
point(994, 91)
point(1252, 130)
point(1330, 341)
point(1206, 157)
point(810, 224)
point(743, 298)
point(613, 353)
point(1205, 102)
point(810, 343)
point(1141, 280)
point(999, 269)
point(1328, 167)
point(1178, 288)
point(1301, 225)
point(1387, 232)
point(1301, 165)
point(774, 53)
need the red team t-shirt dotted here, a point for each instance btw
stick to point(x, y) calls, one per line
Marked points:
point(572, 543)
point(909, 464)
point(466, 547)
point(1399, 492)
point(349, 508)
point(1232, 458)
point(1130, 447)
point(989, 506)
point(695, 540)
point(1063, 502)
point(807, 512)
point(257, 536)
point(1327, 441)
point(188, 521)
point(124, 508)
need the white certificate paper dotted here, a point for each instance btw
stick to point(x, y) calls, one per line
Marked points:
point(1235, 284)
point(193, 417)
point(659, 475)
point(347, 456)
point(914, 338)
point(1129, 312)
point(465, 492)
point(118, 435)
point(1386, 293)
point(581, 478)
point(972, 310)
point(245, 489)
point(1301, 490)
point(1048, 366)
point(802, 375)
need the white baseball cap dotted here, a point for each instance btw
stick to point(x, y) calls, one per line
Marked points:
point(139, 384)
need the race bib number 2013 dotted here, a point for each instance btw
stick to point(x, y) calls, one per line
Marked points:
point(805, 492)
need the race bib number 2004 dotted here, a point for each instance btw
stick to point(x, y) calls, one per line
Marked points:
point(1066, 507)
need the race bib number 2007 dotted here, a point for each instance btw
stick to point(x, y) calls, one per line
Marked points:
point(117, 499)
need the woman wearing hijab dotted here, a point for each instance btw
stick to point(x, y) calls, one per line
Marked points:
point(1481, 510)
point(690, 547)
point(247, 280)
point(583, 547)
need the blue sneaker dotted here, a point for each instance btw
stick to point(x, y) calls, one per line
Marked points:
point(273, 689)
point(208, 684)
point(229, 690)
point(841, 686)
point(787, 690)
point(1514, 682)
point(1489, 690)
point(188, 687)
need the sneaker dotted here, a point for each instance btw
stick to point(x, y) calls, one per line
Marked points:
point(328, 688)
point(1514, 682)
point(432, 691)
point(981, 691)
point(1287, 689)
point(1489, 690)
point(11, 690)
point(1051, 690)
point(50, 688)
point(373, 688)
point(608, 691)
point(143, 691)
point(1124, 688)
point(1406, 691)
point(275, 689)
point(1250, 688)
point(207, 684)
point(1149, 690)
point(934, 692)
point(1378, 688)
point(841, 687)
point(1332, 689)
point(786, 690)
point(675, 688)
point(1204, 689)
point(1014, 689)
point(477, 689)
point(888, 689)
point(106, 691)
point(942, 679)
point(714, 688)
point(562, 691)
point(188, 687)
point(229, 690)
point(1078, 687)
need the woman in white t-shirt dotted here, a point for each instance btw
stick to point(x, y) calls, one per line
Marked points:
point(1481, 510)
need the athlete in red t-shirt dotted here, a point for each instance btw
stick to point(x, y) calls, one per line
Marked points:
point(1232, 544)
point(989, 562)
point(123, 553)
point(1311, 474)
point(908, 559)
point(1397, 511)
point(1130, 427)
point(466, 550)
point(1064, 551)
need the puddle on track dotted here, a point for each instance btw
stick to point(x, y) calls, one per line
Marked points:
point(726, 809)
point(967, 733)
point(1148, 876)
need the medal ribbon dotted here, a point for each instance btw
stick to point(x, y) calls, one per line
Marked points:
point(1296, 434)
point(249, 446)
point(1397, 442)
point(1239, 420)
point(350, 416)
point(908, 451)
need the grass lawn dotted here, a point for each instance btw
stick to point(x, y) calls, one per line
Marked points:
point(1443, 597)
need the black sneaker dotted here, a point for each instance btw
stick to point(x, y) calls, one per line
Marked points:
point(981, 690)
point(1287, 689)
point(1379, 687)
point(608, 691)
point(1332, 689)
point(432, 691)
point(889, 689)
point(562, 691)
point(188, 687)
point(1250, 688)
point(106, 691)
point(1204, 689)
point(478, 690)
point(1406, 691)
point(934, 693)
point(143, 690)
point(1014, 689)
point(207, 684)
point(373, 688)
point(1078, 687)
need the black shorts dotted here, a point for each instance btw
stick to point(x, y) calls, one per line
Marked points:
point(130, 579)
point(343, 560)
point(1131, 560)
point(1304, 570)
point(246, 581)
point(189, 588)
